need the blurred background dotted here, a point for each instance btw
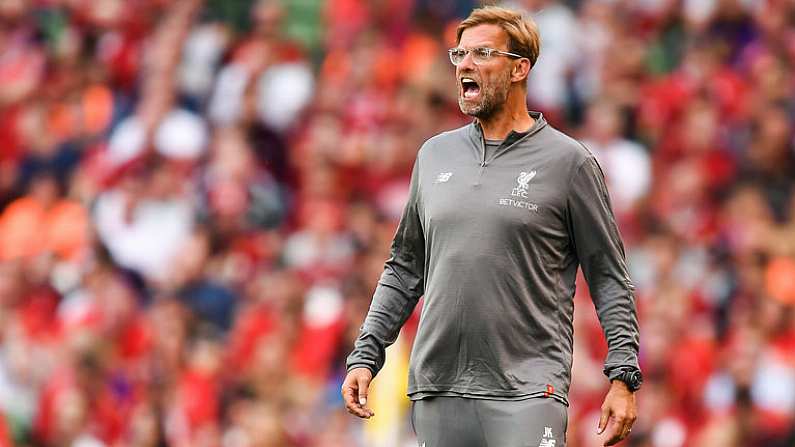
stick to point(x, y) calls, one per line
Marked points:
point(197, 198)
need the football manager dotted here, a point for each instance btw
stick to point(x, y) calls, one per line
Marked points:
point(500, 215)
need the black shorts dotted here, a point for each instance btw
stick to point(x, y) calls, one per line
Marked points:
point(442, 421)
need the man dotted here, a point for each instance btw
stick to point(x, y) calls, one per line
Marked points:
point(500, 214)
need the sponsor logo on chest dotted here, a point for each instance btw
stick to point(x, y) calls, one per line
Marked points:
point(521, 192)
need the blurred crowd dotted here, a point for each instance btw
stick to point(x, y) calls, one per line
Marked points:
point(197, 198)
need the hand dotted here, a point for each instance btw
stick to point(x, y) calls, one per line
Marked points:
point(620, 404)
point(354, 392)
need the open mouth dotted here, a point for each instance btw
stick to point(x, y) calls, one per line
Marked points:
point(469, 88)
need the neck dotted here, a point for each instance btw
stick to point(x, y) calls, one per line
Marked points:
point(512, 116)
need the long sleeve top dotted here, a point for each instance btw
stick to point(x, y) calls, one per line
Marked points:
point(493, 242)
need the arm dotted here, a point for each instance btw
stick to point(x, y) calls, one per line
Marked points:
point(398, 290)
point(601, 254)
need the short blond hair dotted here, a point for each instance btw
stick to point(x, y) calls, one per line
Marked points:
point(523, 36)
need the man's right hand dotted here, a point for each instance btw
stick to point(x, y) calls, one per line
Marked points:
point(354, 392)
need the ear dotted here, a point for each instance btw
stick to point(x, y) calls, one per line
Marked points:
point(521, 70)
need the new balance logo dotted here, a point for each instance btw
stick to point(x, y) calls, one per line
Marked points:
point(443, 177)
point(547, 440)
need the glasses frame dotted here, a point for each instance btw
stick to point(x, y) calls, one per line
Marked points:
point(490, 52)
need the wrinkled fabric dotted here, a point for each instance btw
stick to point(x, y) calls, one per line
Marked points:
point(493, 243)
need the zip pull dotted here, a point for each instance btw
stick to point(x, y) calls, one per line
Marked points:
point(480, 174)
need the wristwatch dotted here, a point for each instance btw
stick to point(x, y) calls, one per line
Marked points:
point(631, 377)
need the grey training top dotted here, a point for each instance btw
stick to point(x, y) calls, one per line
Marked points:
point(494, 244)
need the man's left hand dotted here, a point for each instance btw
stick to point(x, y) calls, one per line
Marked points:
point(619, 405)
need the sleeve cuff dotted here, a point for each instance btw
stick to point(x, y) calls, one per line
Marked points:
point(361, 365)
point(618, 361)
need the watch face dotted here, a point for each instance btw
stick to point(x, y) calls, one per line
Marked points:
point(635, 379)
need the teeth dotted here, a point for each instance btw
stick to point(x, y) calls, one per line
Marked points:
point(470, 88)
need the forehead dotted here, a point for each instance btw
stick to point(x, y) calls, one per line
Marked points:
point(485, 35)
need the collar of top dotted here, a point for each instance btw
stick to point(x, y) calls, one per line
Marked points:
point(476, 131)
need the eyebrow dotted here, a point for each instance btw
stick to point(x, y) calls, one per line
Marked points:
point(477, 46)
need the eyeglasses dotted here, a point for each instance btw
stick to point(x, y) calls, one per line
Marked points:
point(479, 55)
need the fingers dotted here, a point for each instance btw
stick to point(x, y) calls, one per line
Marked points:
point(354, 394)
point(348, 391)
point(614, 434)
point(619, 408)
point(630, 421)
point(625, 432)
point(620, 428)
point(603, 418)
point(363, 384)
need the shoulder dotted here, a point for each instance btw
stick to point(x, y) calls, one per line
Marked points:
point(445, 141)
point(570, 149)
point(449, 136)
point(573, 158)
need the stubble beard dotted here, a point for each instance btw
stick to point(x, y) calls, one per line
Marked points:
point(492, 100)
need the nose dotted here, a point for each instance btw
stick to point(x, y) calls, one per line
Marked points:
point(467, 63)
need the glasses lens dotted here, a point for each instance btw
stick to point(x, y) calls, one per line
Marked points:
point(481, 54)
point(457, 55)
